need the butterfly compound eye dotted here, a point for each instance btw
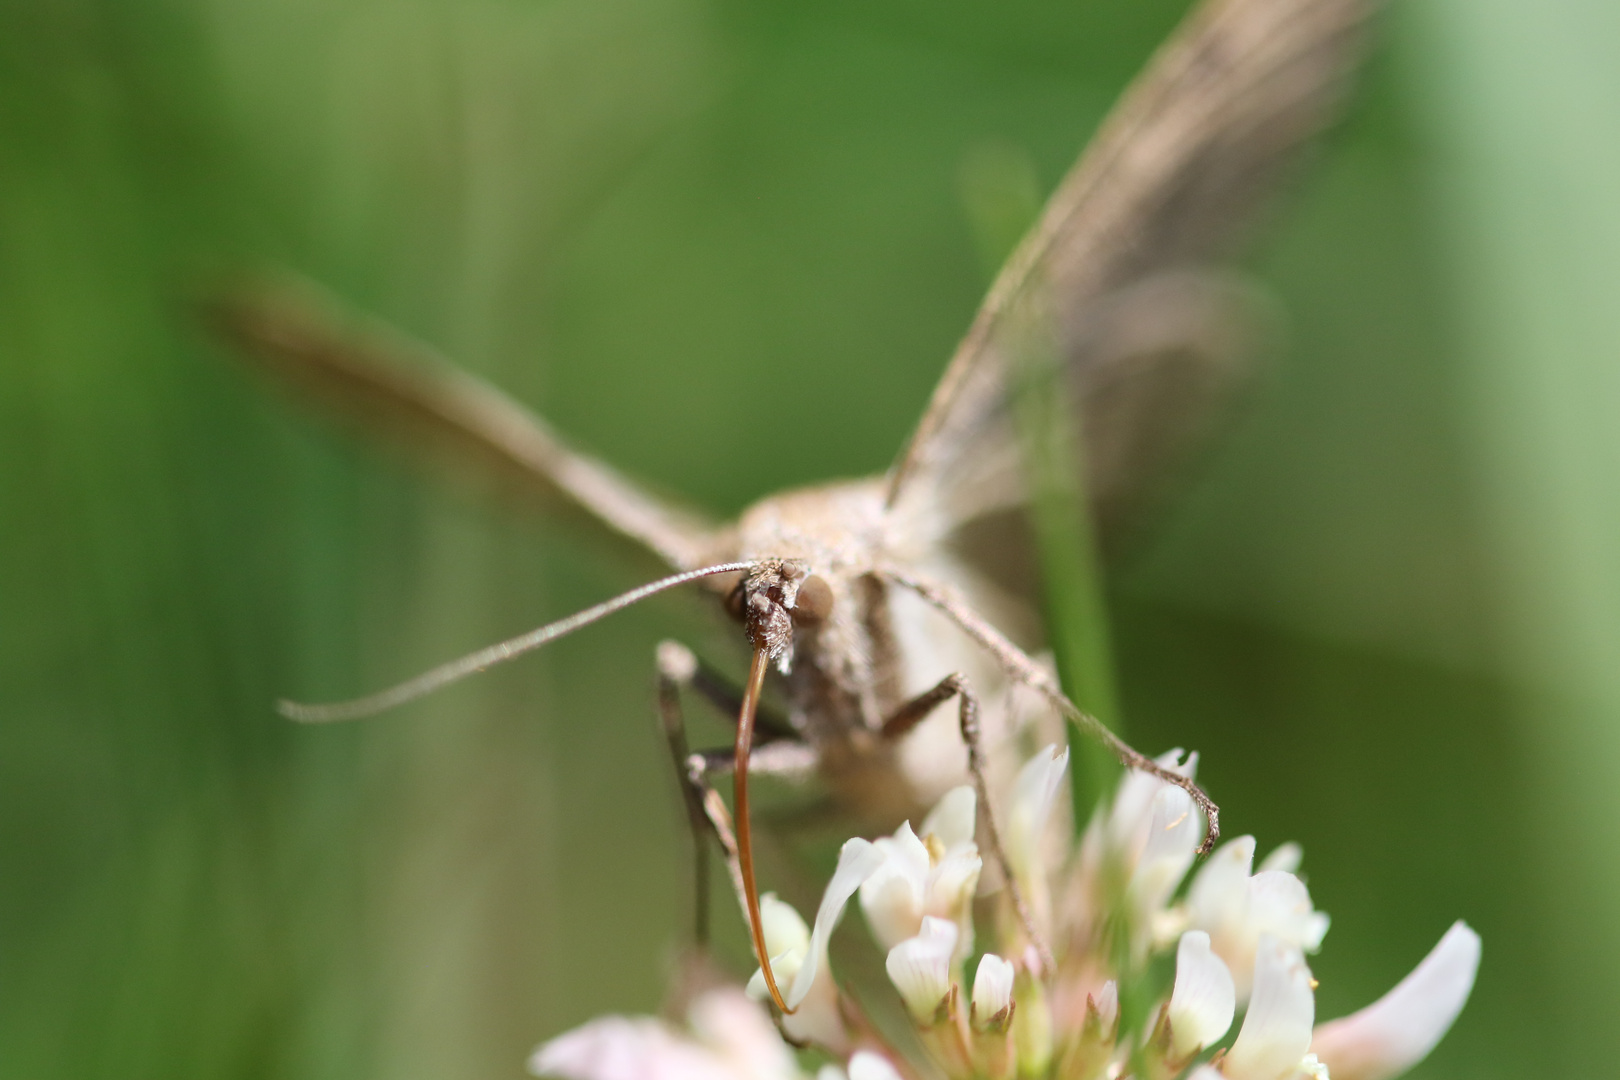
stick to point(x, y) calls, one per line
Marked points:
point(815, 600)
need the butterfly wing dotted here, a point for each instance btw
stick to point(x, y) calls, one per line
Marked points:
point(1120, 276)
point(378, 380)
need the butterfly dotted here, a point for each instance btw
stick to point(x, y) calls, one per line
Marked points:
point(872, 603)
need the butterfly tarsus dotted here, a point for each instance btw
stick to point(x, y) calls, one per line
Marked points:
point(676, 667)
point(1021, 666)
point(680, 670)
point(906, 717)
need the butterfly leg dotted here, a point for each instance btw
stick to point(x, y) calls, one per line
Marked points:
point(908, 716)
point(706, 810)
point(1019, 665)
point(676, 666)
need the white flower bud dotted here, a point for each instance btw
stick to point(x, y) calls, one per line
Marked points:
point(921, 968)
point(1203, 1001)
point(1034, 792)
point(1219, 896)
point(1172, 839)
point(992, 987)
point(1107, 1002)
point(1129, 818)
point(785, 930)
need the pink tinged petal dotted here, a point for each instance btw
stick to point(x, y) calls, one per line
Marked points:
point(1399, 1029)
point(741, 1032)
point(1107, 1002)
point(628, 1048)
point(1204, 1000)
point(952, 819)
point(1276, 1031)
point(856, 862)
point(818, 1020)
point(921, 968)
point(866, 1065)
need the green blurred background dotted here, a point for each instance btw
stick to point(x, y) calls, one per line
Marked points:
point(1389, 614)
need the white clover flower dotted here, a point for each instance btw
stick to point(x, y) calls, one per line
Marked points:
point(1129, 820)
point(1203, 1001)
point(1240, 935)
point(1285, 857)
point(799, 961)
point(1144, 839)
point(922, 968)
point(1236, 908)
point(1380, 1042)
point(935, 875)
point(815, 1017)
point(1175, 829)
point(1276, 1031)
point(1034, 793)
point(992, 988)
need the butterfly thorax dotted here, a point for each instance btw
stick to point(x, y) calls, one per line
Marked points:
point(851, 666)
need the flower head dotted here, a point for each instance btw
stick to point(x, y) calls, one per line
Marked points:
point(1106, 908)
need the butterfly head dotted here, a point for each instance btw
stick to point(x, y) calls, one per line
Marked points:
point(775, 596)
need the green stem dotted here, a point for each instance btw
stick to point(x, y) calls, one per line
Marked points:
point(1002, 196)
point(1071, 581)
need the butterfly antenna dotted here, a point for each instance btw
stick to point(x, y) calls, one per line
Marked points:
point(745, 843)
point(445, 674)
